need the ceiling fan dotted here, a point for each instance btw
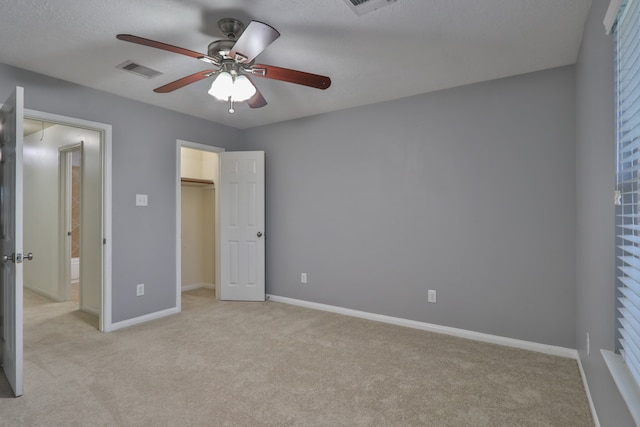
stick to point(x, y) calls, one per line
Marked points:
point(235, 62)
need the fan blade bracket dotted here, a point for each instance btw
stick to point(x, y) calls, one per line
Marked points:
point(240, 58)
point(257, 71)
point(210, 60)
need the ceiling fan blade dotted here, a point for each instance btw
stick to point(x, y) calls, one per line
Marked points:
point(254, 39)
point(170, 87)
point(159, 45)
point(257, 100)
point(292, 76)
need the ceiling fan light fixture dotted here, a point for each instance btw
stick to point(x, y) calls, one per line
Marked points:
point(234, 59)
point(222, 86)
point(242, 89)
point(227, 85)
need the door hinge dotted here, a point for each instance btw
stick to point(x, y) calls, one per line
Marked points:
point(104, 241)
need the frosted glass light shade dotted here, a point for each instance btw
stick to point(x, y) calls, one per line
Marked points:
point(225, 86)
point(222, 86)
point(242, 89)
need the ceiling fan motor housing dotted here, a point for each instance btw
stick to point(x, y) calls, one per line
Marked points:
point(220, 48)
point(231, 28)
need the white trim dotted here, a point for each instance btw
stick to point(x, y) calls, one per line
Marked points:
point(105, 319)
point(46, 294)
point(64, 201)
point(462, 333)
point(106, 131)
point(91, 311)
point(195, 286)
point(624, 380)
point(213, 149)
point(143, 319)
point(611, 15)
point(587, 390)
point(191, 287)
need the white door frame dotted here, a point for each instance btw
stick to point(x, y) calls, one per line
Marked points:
point(212, 149)
point(105, 324)
point(64, 195)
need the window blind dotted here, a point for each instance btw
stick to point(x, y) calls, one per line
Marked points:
point(628, 183)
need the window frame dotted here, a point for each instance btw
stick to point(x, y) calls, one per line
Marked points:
point(623, 18)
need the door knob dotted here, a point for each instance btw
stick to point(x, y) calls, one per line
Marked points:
point(17, 258)
point(259, 234)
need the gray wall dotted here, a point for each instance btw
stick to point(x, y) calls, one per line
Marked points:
point(144, 146)
point(468, 191)
point(478, 192)
point(595, 158)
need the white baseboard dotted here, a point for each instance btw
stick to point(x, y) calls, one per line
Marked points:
point(90, 310)
point(44, 294)
point(462, 333)
point(596, 422)
point(145, 318)
point(193, 286)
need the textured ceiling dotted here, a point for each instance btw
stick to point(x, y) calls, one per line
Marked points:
point(406, 48)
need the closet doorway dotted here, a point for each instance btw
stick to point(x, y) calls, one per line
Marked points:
point(197, 212)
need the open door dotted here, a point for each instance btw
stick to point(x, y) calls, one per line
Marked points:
point(11, 118)
point(242, 248)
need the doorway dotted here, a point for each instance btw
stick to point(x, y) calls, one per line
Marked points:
point(70, 192)
point(239, 218)
point(196, 213)
point(55, 149)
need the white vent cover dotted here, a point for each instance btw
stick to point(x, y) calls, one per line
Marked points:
point(139, 70)
point(360, 7)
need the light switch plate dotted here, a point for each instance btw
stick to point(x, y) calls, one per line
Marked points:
point(431, 295)
point(142, 200)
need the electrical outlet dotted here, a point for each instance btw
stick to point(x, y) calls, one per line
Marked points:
point(142, 200)
point(140, 290)
point(431, 295)
point(303, 277)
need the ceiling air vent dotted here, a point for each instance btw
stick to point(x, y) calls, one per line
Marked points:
point(360, 7)
point(140, 70)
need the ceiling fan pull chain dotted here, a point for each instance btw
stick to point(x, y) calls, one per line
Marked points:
point(231, 110)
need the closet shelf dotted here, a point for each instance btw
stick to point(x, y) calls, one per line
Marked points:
point(196, 181)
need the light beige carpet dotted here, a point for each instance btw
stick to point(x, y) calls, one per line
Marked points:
point(271, 364)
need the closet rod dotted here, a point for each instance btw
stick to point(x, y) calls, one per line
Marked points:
point(197, 181)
